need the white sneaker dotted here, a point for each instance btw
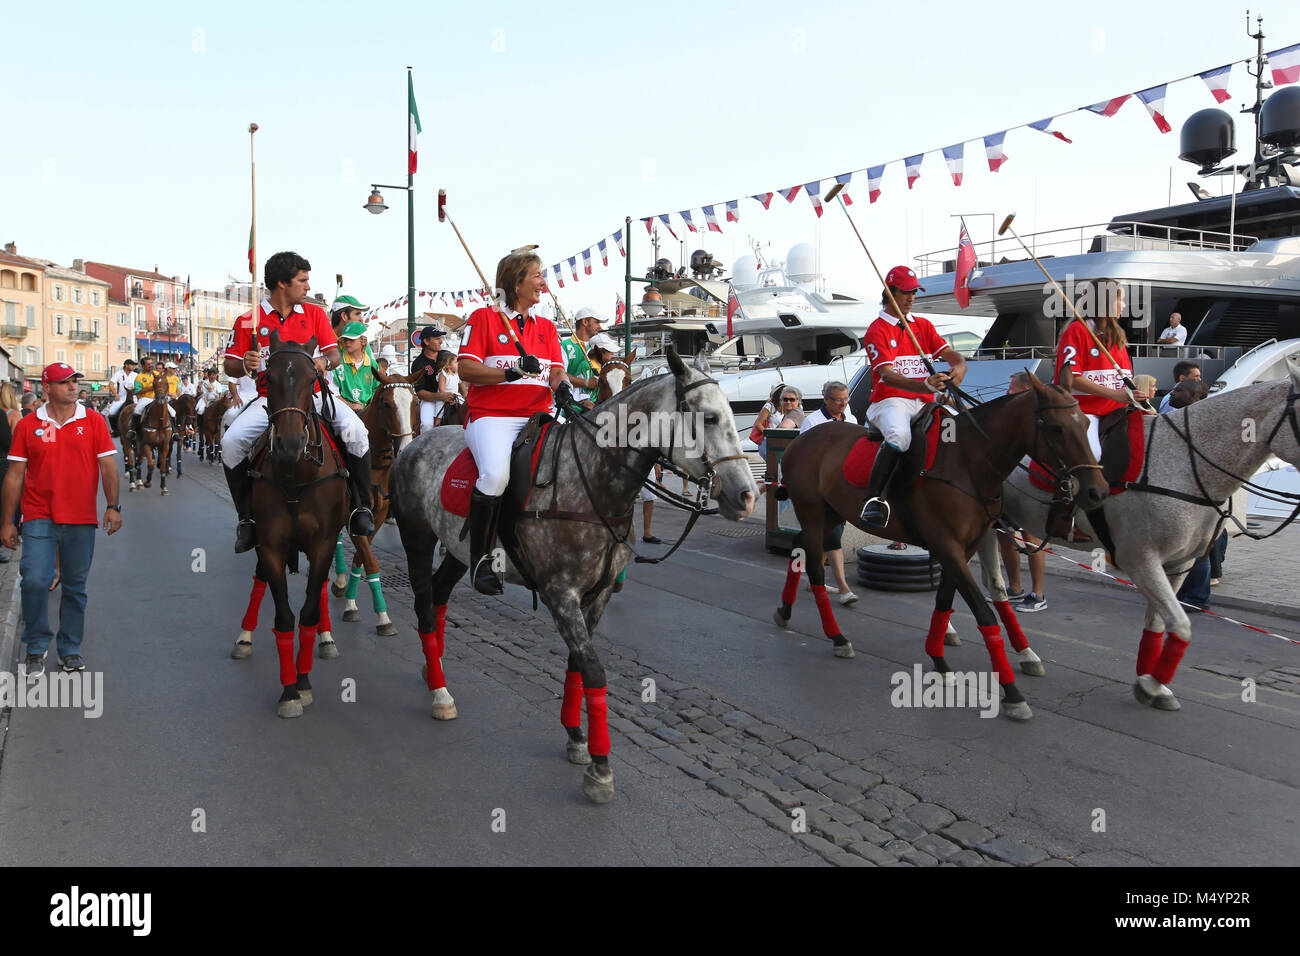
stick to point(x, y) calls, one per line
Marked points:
point(830, 588)
point(849, 599)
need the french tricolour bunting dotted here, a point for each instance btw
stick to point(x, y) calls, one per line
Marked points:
point(733, 210)
point(843, 179)
point(1154, 100)
point(415, 120)
point(1109, 107)
point(618, 241)
point(1217, 81)
point(1286, 65)
point(586, 261)
point(954, 156)
point(993, 150)
point(603, 246)
point(814, 191)
point(874, 175)
point(790, 192)
point(663, 217)
point(573, 266)
point(686, 218)
point(913, 166)
point(764, 198)
point(711, 218)
point(558, 278)
point(1043, 127)
point(649, 224)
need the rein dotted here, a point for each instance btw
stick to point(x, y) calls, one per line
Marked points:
point(311, 423)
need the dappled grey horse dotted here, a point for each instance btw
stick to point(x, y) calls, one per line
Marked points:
point(1159, 532)
point(573, 533)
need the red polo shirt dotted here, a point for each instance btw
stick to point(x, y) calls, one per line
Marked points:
point(485, 340)
point(305, 321)
point(888, 344)
point(62, 479)
point(1078, 350)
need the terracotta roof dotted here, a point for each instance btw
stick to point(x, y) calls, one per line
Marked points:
point(63, 272)
point(20, 261)
point(140, 273)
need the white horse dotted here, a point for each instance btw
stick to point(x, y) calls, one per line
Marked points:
point(1158, 533)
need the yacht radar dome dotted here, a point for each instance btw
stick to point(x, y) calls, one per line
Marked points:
point(1207, 139)
point(801, 263)
point(1279, 119)
point(744, 273)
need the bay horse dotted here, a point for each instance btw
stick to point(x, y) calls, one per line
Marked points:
point(572, 540)
point(388, 420)
point(300, 503)
point(1197, 458)
point(153, 442)
point(209, 431)
point(948, 512)
point(128, 446)
point(186, 419)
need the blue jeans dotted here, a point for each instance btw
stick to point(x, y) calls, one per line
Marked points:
point(75, 544)
point(1196, 586)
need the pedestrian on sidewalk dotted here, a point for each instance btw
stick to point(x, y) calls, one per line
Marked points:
point(834, 408)
point(1036, 598)
point(60, 455)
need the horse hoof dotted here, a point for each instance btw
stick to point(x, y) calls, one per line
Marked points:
point(1016, 711)
point(781, 619)
point(1033, 668)
point(1167, 702)
point(844, 651)
point(338, 591)
point(598, 783)
point(328, 650)
point(444, 708)
point(950, 638)
point(576, 751)
point(165, 491)
point(1151, 692)
point(304, 696)
point(242, 650)
point(352, 616)
point(289, 708)
point(386, 630)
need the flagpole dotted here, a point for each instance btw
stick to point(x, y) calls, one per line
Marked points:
point(252, 230)
point(410, 227)
point(627, 287)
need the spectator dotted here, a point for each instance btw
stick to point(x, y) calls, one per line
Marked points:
point(771, 408)
point(28, 403)
point(1183, 371)
point(9, 408)
point(1176, 333)
point(1036, 599)
point(834, 408)
point(1195, 590)
point(59, 457)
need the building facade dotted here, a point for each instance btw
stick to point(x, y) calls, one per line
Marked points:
point(156, 303)
point(76, 321)
point(22, 311)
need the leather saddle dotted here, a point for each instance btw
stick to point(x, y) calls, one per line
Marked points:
point(914, 458)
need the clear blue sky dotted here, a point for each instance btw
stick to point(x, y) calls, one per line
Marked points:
point(125, 135)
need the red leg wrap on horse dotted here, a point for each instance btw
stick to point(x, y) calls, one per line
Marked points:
point(306, 644)
point(439, 627)
point(571, 708)
point(597, 722)
point(1012, 624)
point(998, 653)
point(1149, 650)
point(432, 660)
point(938, 628)
point(791, 589)
point(1170, 656)
point(829, 627)
point(249, 623)
point(324, 624)
point(284, 647)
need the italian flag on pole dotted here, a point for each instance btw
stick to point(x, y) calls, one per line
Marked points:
point(415, 120)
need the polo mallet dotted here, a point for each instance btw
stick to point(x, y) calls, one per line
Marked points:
point(834, 194)
point(1128, 382)
point(444, 217)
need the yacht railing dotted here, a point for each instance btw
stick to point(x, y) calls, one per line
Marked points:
point(1079, 240)
point(1135, 350)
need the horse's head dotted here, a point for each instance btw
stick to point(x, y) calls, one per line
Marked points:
point(1058, 439)
point(392, 410)
point(290, 374)
point(703, 441)
point(615, 375)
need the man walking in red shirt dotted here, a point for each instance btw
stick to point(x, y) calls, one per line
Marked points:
point(58, 458)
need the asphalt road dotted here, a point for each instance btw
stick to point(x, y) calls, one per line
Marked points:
point(749, 722)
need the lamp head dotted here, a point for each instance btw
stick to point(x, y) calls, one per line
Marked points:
point(375, 203)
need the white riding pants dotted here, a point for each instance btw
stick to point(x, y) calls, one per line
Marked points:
point(144, 403)
point(1094, 434)
point(428, 412)
point(248, 426)
point(114, 407)
point(198, 409)
point(489, 441)
point(894, 416)
point(230, 415)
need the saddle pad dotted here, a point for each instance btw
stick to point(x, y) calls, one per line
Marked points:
point(459, 480)
point(858, 462)
point(1112, 454)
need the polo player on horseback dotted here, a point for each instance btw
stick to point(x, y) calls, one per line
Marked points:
point(148, 385)
point(903, 383)
point(285, 311)
point(504, 391)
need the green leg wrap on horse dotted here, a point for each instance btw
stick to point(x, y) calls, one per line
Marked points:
point(354, 581)
point(377, 594)
point(622, 576)
point(340, 563)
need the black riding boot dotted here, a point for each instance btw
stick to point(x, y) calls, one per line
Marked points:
point(241, 493)
point(135, 427)
point(483, 512)
point(875, 513)
point(362, 522)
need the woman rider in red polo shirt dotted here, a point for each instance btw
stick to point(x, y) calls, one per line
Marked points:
point(504, 391)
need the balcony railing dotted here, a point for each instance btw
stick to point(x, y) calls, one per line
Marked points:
point(79, 336)
point(15, 331)
point(141, 293)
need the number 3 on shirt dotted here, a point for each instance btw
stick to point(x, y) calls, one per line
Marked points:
point(873, 352)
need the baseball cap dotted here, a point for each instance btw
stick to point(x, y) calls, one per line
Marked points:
point(603, 340)
point(59, 372)
point(903, 279)
point(171, 365)
point(346, 302)
point(587, 312)
point(353, 330)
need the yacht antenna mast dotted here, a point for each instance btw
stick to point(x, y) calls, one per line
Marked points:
point(1261, 84)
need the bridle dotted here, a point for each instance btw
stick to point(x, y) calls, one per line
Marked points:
point(391, 453)
point(313, 451)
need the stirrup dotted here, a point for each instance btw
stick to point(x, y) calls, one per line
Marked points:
point(365, 513)
point(491, 583)
point(881, 507)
